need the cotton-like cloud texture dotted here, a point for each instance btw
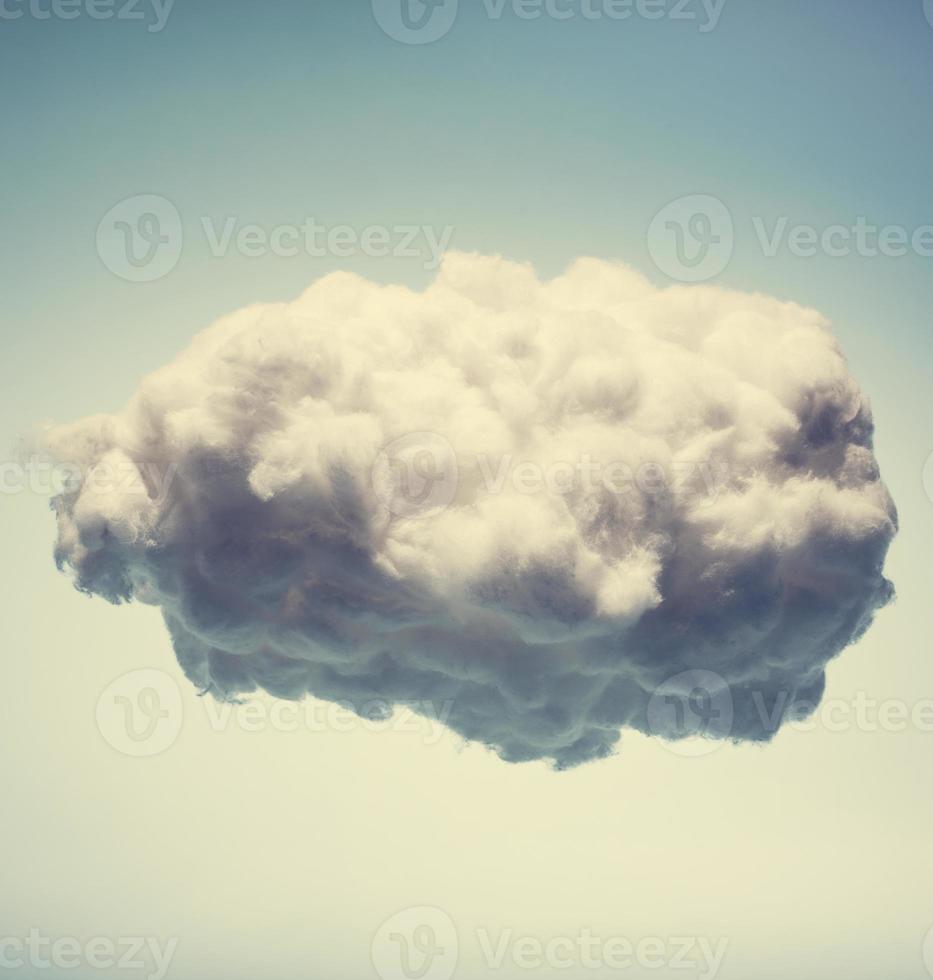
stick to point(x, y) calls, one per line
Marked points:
point(555, 508)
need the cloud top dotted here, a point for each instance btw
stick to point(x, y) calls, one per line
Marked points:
point(559, 507)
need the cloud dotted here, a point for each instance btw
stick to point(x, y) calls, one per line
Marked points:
point(557, 507)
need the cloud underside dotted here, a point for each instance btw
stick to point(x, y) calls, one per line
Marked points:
point(545, 619)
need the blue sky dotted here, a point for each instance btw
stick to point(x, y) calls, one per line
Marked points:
point(541, 140)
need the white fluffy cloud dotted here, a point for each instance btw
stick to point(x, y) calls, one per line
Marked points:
point(535, 503)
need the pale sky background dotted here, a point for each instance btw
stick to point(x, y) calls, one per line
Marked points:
point(281, 853)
